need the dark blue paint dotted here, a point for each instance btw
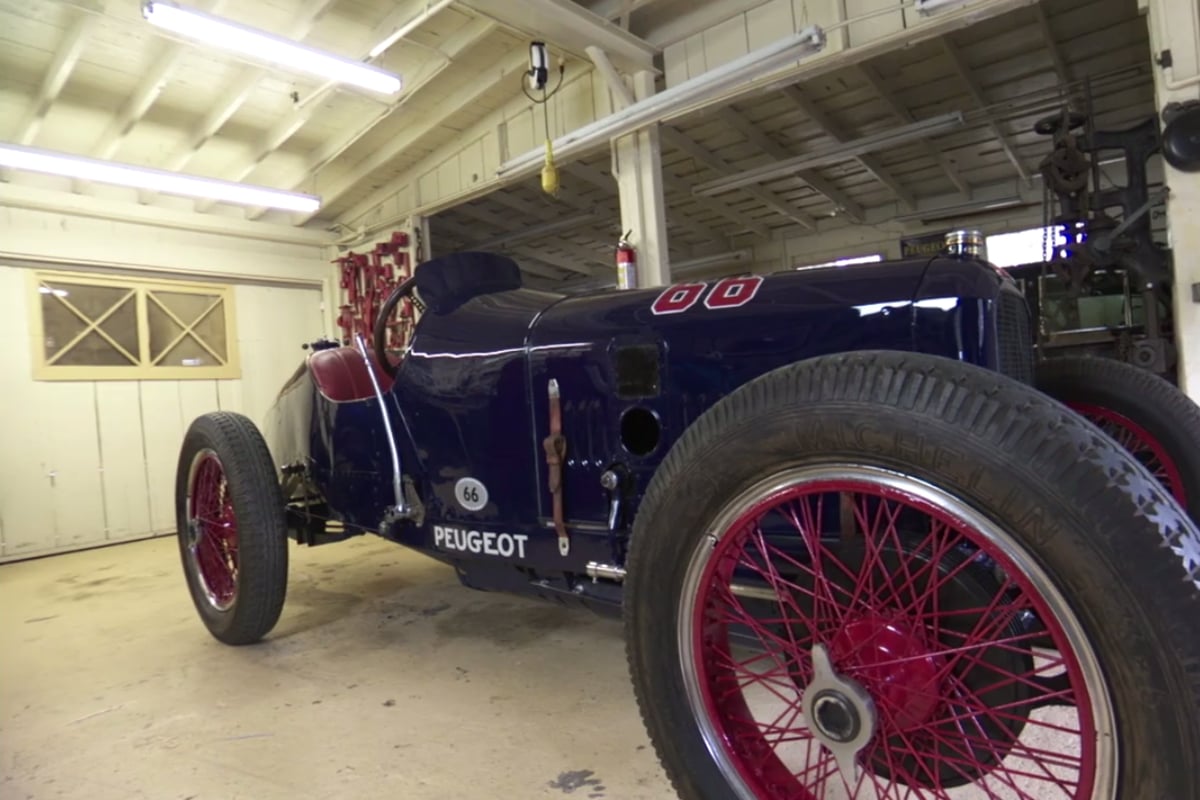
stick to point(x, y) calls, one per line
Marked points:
point(470, 399)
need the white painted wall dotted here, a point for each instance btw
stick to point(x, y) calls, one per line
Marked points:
point(87, 463)
point(1175, 25)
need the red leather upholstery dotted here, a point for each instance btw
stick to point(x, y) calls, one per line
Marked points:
point(341, 374)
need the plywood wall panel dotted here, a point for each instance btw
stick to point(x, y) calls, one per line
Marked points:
point(162, 429)
point(122, 459)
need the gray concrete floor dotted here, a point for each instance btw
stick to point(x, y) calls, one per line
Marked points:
point(383, 679)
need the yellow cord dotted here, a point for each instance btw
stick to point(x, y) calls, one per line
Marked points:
point(550, 173)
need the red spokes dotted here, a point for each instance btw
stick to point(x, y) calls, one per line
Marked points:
point(1139, 442)
point(947, 662)
point(212, 534)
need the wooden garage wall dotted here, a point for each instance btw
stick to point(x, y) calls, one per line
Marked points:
point(84, 463)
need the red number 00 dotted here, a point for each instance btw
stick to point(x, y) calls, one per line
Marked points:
point(678, 298)
point(733, 292)
point(726, 293)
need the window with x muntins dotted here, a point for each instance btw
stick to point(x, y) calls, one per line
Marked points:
point(96, 328)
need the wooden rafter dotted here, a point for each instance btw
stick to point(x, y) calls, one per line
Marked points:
point(872, 78)
point(976, 91)
point(757, 137)
point(870, 162)
point(719, 165)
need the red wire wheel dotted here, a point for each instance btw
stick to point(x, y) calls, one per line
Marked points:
point(212, 533)
point(1142, 444)
point(850, 632)
point(232, 527)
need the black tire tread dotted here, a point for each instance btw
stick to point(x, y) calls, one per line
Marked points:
point(1147, 399)
point(262, 529)
point(1049, 446)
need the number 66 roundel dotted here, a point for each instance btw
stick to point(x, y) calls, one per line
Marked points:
point(725, 293)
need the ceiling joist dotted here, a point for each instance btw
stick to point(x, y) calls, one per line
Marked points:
point(65, 58)
point(465, 96)
point(872, 79)
point(976, 91)
point(870, 162)
point(717, 164)
point(757, 137)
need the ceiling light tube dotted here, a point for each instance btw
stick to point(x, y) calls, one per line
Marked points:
point(259, 45)
point(157, 180)
point(832, 155)
point(689, 95)
point(927, 7)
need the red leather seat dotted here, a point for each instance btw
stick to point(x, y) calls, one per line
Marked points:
point(340, 374)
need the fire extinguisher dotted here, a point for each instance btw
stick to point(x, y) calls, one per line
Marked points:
point(626, 263)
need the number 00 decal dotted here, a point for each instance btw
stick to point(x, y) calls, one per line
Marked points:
point(733, 292)
point(725, 293)
point(678, 298)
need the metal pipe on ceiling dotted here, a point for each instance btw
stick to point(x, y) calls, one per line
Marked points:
point(687, 96)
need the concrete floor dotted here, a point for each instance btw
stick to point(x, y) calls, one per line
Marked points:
point(383, 679)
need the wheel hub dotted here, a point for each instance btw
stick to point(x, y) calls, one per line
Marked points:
point(193, 532)
point(840, 712)
point(895, 663)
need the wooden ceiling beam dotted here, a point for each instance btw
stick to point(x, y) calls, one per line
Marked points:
point(870, 162)
point(757, 137)
point(872, 78)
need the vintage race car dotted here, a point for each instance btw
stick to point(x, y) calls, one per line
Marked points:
point(858, 553)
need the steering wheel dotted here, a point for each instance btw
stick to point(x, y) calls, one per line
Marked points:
point(379, 337)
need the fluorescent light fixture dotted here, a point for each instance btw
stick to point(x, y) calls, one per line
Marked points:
point(833, 155)
point(262, 46)
point(156, 180)
point(927, 7)
point(679, 99)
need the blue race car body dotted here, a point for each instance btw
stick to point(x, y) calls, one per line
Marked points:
point(469, 410)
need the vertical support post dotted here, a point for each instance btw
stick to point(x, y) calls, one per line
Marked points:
point(638, 160)
point(1175, 26)
point(420, 245)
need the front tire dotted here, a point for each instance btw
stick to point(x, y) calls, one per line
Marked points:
point(231, 528)
point(788, 638)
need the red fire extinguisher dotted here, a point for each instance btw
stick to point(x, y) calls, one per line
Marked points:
point(626, 263)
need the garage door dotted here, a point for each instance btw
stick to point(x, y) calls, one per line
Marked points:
point(89, 462)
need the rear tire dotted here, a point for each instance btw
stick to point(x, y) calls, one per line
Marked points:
point(1148, 416)
point(231, 528)
point(1109, 559)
